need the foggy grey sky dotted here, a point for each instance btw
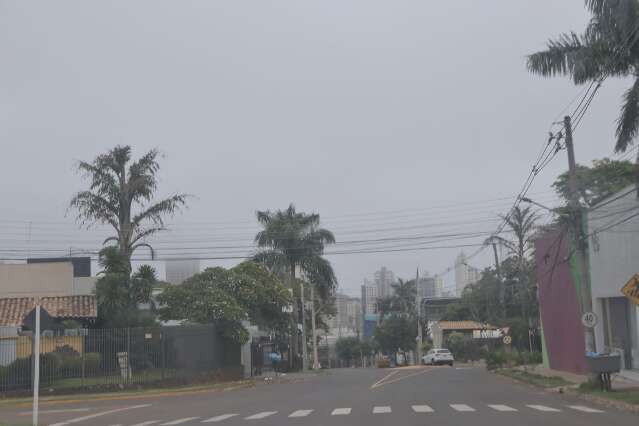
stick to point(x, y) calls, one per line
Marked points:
point(341, 107)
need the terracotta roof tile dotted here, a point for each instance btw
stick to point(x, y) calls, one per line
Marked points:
point(464, 325)
point(13, 310)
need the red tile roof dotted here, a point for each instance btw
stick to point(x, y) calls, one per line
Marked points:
point(13, 310)
point(464, 325)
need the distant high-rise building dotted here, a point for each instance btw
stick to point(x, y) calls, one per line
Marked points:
point(369, 309)
point(348, 318)
point(177, 271)
point(439, 286)
point(464, 273)
point(384, 279)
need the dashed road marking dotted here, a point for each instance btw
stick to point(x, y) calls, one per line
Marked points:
point(219, 418)
point(382, 410)
point(422, 409)
point(544, 408)
point(179, 421)
point(500, 407)
point(300, 413)
point(147, 423)
point(585, 409)
point(100, 414)
point(341, 412)
point(462, 407)
point(261, 415)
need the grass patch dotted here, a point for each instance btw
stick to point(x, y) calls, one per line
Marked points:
point(534, 379)
point(629, 396)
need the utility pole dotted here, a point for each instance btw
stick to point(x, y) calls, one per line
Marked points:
point(304, 348)
point(502, 290)
point(419, 323)
point(581, 241)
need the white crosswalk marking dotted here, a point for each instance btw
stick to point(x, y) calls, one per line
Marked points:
point(544, 408)
point(462, 407)
point(261, 415)
point(500, 407)
point(219, 418)
point(300, 413)
point(584, 409)
point(149, 422)
point(179, 421)
point(341, 412)
point(381, 410)
point(422, 409)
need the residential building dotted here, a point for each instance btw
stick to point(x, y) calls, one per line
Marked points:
point(178, 271)
point(369, 309)
point(613, 254)
point(464, 274)
point(36, 278)
point(384, 279)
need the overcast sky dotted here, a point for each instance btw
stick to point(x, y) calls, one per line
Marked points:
point(389, 118)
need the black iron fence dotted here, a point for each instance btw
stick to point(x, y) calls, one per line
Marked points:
point(102, 358)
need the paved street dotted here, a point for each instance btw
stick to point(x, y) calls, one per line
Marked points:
point(430, 395)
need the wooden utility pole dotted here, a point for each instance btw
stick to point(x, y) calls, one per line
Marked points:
point(580, 238)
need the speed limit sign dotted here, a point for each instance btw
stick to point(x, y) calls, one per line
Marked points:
point(507, 340)
point(589, 319)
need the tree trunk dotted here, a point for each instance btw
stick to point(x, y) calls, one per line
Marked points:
point(304, 345)
point(316, 365)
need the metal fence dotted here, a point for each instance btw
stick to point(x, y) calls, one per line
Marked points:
point(103, 358)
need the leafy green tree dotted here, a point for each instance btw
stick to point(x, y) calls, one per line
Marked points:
point(605, 178)
point(608, 47)
point(117, 187)
point(405, 294)
point(227, 297)
point(290, 241)
point(347, 348)
point(397, 332)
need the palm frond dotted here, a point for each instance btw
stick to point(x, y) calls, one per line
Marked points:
point(155, 212)
point(94, 208)
point(628, 121)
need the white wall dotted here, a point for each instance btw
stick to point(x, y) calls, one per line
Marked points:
point(614, 256)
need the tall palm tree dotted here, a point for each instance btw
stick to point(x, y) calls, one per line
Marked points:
point(609, 46)
point(117, 186)
point(405, 295)
point(522, 224)
point(292, 241)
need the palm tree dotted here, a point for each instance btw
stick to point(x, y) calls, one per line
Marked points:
point(608, 47)
point(116, 187)
point(405, 295)
point(291, 241)
point(522, 224)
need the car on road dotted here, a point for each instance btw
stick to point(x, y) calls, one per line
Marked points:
point(438, 357)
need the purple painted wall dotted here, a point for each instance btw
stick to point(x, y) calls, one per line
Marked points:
point(558, 305)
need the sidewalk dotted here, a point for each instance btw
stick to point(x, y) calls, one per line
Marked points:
point(625, 380)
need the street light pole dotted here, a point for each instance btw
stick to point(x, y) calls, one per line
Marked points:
point(419, 323)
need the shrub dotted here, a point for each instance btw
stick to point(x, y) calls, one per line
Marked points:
point(92, 361)
point(384, 363)
point(495, 359)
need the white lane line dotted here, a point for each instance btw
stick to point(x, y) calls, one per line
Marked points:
point(103, 413)
point(300, 413)
point(462, 407)
point(147, 423)
point(219, 418)
point(500, 407)
point(422, 409)
point(544, 408)
point(261, 415)
point(341, 412)
point(585, 409)
point(381, 410)
point(62, 410)
point(179, 421)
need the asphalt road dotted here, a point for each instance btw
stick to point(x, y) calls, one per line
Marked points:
point(371, 397)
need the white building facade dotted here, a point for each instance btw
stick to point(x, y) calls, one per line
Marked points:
point(614, 260)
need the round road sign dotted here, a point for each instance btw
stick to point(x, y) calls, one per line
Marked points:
point(507, 340)
point(589, 319)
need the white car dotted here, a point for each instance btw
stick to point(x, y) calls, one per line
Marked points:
point(438, 357)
